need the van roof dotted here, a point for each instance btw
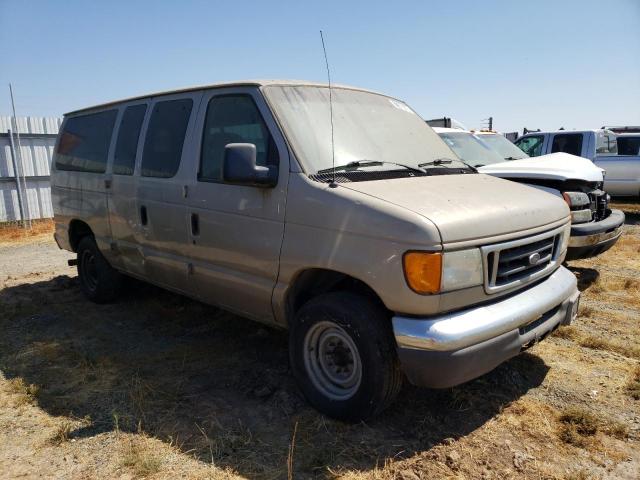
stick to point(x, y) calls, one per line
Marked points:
point(240, 83)
point(588, 130)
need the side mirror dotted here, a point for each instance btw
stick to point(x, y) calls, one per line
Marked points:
point(240, 167)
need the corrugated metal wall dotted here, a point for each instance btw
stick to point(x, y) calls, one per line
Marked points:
point(37, 140)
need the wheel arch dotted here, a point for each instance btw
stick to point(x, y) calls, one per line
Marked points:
point(77, 230)
point(311, 282)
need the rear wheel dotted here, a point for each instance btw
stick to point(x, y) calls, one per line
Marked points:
point(99, 281)
point(343, 356)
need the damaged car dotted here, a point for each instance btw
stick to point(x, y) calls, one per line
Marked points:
point(595, 227)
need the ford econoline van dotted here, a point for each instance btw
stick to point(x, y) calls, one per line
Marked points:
point(337, 220)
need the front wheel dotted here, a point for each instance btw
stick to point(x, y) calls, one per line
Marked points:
point(343, 356)
point(99, 281)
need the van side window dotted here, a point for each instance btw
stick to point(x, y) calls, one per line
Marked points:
point(124, 158)
point(233, 119)
point(532, 146)
point(84, 142)
point(165, 138)
point(567, 143)
point(606, 143)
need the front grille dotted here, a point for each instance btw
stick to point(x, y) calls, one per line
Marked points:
point(520, 262)
point(598, 205)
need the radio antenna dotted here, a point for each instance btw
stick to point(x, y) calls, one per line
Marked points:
point(333, 183)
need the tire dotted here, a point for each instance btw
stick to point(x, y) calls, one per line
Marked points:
point(99, 281)
point(343, 356)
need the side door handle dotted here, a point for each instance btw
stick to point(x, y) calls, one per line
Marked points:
point(195, 224)
point(143, 215)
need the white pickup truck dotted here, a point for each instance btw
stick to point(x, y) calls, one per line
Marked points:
point(600, 146)
point(594, 227)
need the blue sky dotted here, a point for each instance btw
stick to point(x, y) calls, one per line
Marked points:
point(542, 64)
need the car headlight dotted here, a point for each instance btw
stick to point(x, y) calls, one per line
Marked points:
point(576, 199)
point(581, 216)
point(579, 205)
point(435, 272)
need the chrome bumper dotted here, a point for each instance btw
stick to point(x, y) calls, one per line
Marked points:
point(460, 329)
point(595, 238)
point(444, 351)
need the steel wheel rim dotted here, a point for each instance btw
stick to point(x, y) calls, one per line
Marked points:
point(89, 270)
point(332, 361)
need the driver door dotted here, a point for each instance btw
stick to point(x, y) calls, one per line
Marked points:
point(236, 231)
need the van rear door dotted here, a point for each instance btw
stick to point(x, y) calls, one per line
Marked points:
point(123, 212)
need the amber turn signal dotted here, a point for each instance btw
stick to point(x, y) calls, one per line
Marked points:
point(423, 271)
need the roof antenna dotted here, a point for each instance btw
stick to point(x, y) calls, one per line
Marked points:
point(333, 183)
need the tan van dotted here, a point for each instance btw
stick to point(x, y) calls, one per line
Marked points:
point(381, 259)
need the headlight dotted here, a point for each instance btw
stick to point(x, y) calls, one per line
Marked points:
point(581, 216)
point(428, 272)
point(577, 202)
point(576, 199)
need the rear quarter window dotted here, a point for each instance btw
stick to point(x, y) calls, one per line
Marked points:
point(165, 138)
point(84, 142)
point(124, 157)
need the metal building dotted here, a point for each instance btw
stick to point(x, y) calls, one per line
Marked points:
point(31, 158)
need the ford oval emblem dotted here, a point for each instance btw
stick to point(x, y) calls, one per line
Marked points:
point(534, 258)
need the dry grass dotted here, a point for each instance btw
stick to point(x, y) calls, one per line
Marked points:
point(616, 429)
point(578, 475)
point(568, 332)
point(62, 432)
point(583, 420)
point(14, 232)
point(141, 458)
point(579, 424)
point(599, 343)
point(586, 312)
point(633, 385)
point(576, 425)
point(572, 333)
point(23, 393)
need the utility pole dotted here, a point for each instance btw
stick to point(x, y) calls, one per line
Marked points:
point(20, 172)
point(489, 122)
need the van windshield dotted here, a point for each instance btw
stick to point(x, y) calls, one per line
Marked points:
point(503, 146)
point(470, 149)
point(367, 126)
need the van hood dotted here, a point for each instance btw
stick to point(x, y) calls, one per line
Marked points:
point(555, 166)
point(469, 207)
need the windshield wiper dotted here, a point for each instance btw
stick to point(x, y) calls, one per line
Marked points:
point(369, 163)
point(437, 161)
point(447, 161)
point(513, 158)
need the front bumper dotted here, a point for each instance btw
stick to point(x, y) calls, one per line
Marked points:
point(593, 238)
point(455, 347)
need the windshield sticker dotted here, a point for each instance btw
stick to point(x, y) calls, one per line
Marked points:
point(400, 105)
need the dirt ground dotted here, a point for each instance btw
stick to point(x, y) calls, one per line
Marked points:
point(160, 386)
